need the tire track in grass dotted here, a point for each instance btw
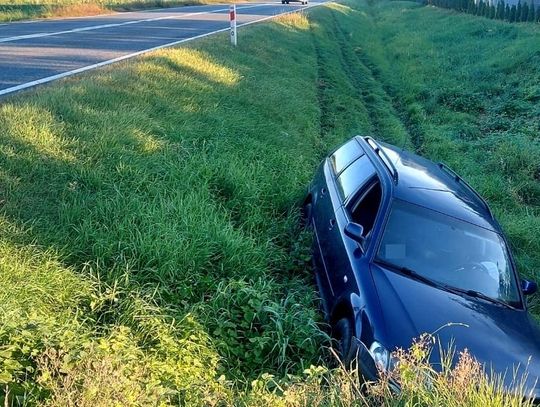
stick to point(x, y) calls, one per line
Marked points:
point(412, 115)
point(342, 112)
point(386, 121)
point(409, 115)
point(324, 105)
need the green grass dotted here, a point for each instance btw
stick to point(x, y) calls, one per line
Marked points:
point(150, 247)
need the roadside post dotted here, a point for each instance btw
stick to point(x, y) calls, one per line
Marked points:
point(232, 17)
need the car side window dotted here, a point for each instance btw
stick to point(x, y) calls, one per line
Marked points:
point(345, 155)
point(355, 176)
point(364, 210)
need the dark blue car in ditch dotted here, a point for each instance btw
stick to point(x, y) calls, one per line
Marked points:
point(404, 246)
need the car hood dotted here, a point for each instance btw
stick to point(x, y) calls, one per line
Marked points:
point(501, 338)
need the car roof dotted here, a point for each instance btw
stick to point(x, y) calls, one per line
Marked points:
point(422, 182)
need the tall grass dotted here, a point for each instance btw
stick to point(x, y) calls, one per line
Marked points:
point(464, 383)
point(150, 245)
point(167, 188)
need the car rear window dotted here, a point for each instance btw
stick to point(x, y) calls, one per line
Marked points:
point(345, 155)
point(355, 176)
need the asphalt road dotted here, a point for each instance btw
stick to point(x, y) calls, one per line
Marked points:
point(36, 52)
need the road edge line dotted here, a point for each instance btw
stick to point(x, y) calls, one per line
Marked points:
point(62, 75)
point(112, 25)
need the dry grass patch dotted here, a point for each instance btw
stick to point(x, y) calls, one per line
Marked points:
point(80, 10)
point(297, 21)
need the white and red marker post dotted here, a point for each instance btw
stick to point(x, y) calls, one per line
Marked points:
point(232, 17)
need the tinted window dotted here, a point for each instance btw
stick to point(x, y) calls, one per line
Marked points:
point(345, 155)
point(448, 251)
point(355, 176)
point(365, 210)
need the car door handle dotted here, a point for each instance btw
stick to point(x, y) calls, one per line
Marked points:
point(332, 224)
point(323, 191)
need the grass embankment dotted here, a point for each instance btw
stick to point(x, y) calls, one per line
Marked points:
point(149, 242)
point(14, 10)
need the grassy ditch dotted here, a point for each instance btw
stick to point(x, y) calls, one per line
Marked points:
point(150, 249)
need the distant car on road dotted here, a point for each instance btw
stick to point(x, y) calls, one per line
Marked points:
point(300, 1)
point(404, 246)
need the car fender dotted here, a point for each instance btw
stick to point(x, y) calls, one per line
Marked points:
point(354, 305)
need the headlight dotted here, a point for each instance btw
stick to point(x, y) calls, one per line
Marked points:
point(382, 358)
point(380, 355)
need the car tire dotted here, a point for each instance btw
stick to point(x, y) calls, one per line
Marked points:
point(343, 336)
point(307, 215)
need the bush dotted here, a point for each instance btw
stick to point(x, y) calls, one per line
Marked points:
point(256, 334)
point(499, 11)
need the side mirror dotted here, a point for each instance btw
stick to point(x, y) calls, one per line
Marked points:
point(528, 287)
point(355, 231)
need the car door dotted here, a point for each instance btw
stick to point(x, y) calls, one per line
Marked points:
point(362, 209)
point(325, 205)
point(353, 179)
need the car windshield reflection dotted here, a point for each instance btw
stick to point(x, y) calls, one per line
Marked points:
point(448, 251)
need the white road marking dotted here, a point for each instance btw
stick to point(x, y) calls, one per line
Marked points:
point(102, 26)
point(116, 13)
point(128, 56)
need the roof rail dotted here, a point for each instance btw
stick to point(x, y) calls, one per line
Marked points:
point(382, 155)
point(457, 178)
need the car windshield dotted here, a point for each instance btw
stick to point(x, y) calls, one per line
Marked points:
point(448, 251)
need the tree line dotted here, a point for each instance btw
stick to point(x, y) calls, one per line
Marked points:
point(500, 11)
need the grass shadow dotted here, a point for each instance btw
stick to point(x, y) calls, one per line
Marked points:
point(122, 173)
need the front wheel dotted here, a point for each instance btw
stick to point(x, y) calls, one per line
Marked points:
point(307, 215)
point(343, 335)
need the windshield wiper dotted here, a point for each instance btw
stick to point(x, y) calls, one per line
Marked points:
point(408, 272)
point(477, 294)
point(471, 293)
